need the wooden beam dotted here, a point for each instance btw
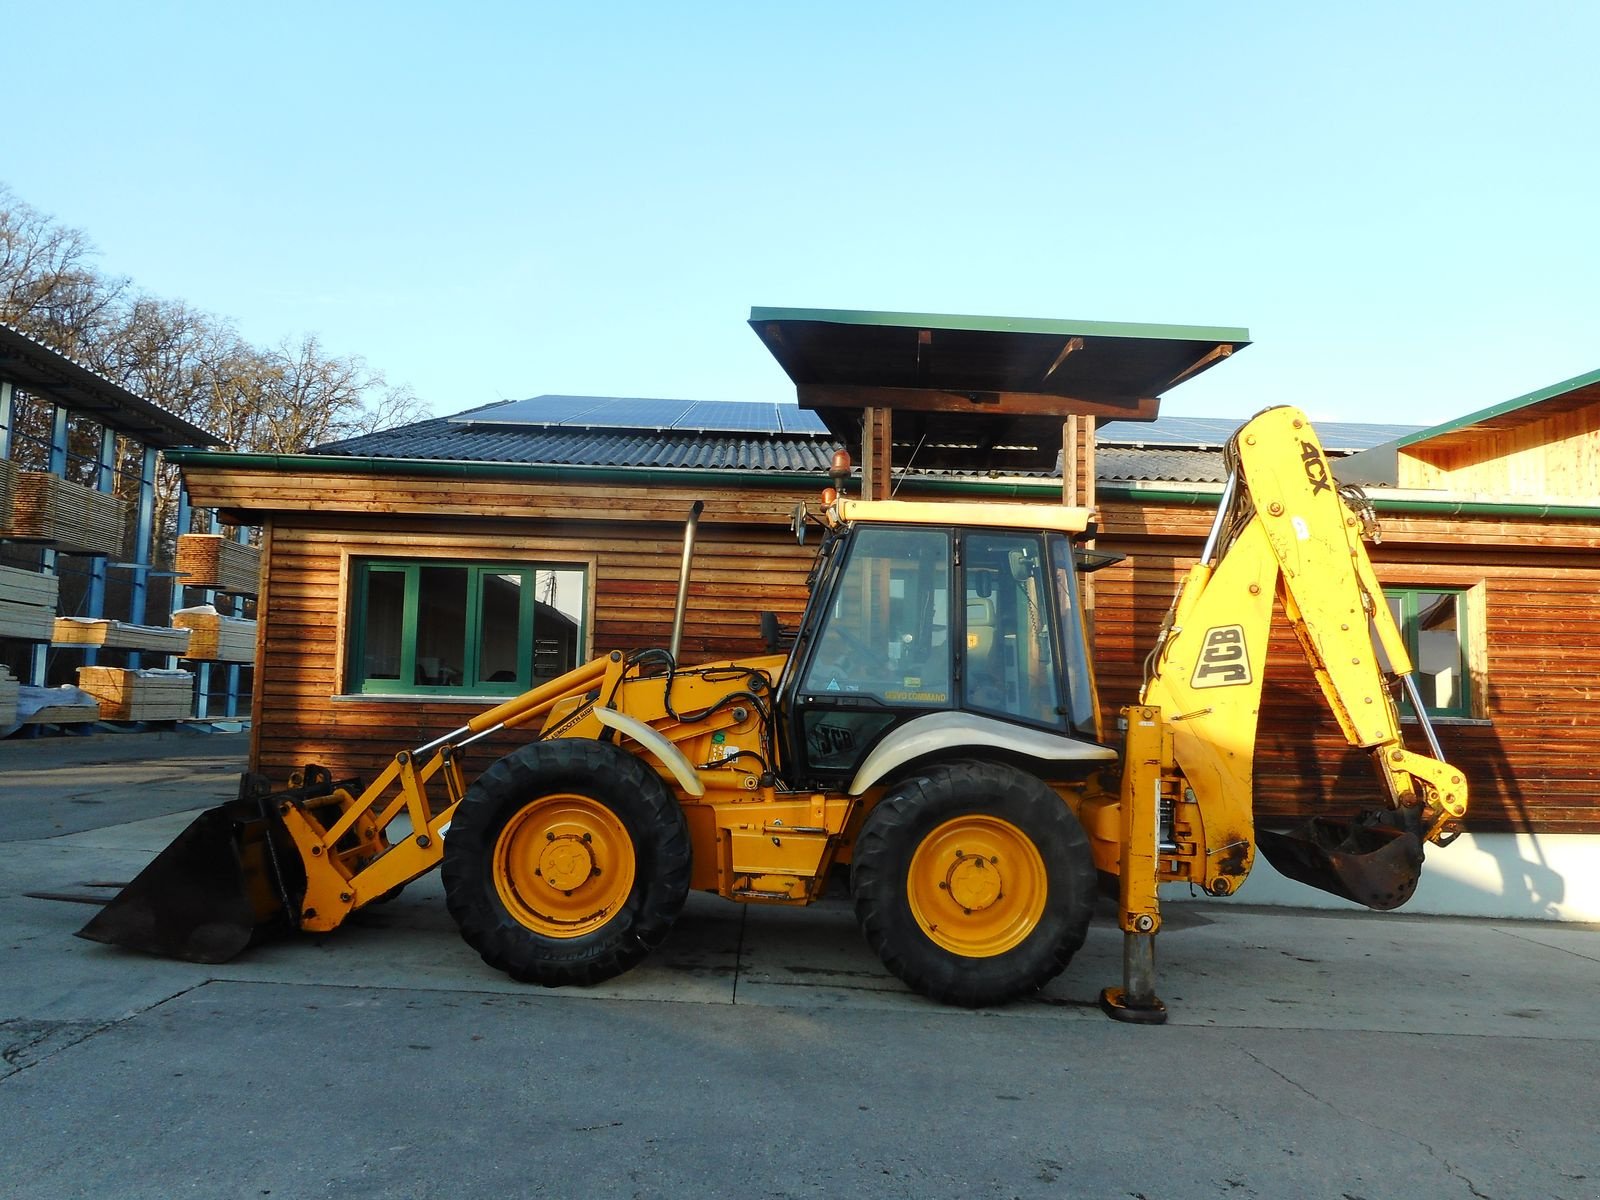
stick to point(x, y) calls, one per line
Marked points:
point(1024, 404)
point(877, 454)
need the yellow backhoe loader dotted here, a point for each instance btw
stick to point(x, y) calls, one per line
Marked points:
point(934, 726)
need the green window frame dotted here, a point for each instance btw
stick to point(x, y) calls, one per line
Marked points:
point(439, 626)
point(1437, 630)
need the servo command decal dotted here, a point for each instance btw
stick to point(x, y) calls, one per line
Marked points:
point(1223, 659)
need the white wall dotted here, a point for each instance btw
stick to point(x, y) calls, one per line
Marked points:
point(1545, 877)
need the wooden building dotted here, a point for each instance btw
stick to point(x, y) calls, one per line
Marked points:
point(396, 563)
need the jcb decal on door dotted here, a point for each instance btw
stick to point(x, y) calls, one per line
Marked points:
point(1224, 660)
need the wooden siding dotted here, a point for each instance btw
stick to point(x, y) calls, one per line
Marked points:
point(303, 712)
point(1532, 763)
point(1554, 456)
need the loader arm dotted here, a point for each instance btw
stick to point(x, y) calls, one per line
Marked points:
point(1283, 531)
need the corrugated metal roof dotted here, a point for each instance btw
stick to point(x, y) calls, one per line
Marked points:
point(1126, 464)
point(1338, 437)
point(1181, 450)
point(443, 438)
point(63, 380)
point(637, 412)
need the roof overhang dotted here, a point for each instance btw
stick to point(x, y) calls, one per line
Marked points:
point(61, 380)
point(1473, 433)
point(996, 388)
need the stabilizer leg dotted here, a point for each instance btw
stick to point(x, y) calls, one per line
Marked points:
point(1135, 1001)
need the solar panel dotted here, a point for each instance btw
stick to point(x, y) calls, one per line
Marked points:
point(735, 416)
point(794, 419)
point(1191, 432)
point(617, 412)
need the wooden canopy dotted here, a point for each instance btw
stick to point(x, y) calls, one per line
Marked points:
point(979, 393)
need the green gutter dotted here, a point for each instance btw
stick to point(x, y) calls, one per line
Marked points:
point(1384, 504)
point(346, 464)
point(343, 464)
point(1044, 490)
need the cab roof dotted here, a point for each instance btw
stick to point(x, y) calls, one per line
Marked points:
point(1058, 518)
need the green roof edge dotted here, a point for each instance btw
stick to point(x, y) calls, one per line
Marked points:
point(1498, 410)
point(847, 316)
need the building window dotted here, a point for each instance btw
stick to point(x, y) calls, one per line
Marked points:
point(483, 629)
point(1436, 629)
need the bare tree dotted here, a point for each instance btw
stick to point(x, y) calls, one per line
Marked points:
point(283, 399)
point(48, 287)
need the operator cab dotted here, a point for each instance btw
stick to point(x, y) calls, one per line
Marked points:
point(918, 609)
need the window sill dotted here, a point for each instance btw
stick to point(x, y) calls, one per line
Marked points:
point(1469, 722)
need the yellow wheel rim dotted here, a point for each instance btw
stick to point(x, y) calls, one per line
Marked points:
point(564, 865)
point(977, 886)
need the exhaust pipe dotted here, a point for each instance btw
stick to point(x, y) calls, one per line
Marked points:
point(683, 578)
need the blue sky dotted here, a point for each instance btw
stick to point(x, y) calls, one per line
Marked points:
point(498, 200)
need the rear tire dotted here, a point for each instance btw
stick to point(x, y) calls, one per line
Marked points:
point(974, 882)
point(566, 862)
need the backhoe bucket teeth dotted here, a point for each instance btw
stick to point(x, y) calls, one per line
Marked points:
point(1375, 865)
point(222, 882)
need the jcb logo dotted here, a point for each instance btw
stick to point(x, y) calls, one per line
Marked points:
point(1224, 659)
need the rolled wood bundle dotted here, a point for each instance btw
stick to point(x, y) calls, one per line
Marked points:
point(67, 515)
point(213, 561)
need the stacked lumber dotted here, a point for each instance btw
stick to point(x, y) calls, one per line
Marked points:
point(118, 635)
point(126, 695)
point(215, 637)
point(27, 604)
point(210, 560)
point(67, 515)
point(8, 698)
point(8, 487)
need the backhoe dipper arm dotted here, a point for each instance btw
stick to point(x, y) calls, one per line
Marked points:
point(1283, 529)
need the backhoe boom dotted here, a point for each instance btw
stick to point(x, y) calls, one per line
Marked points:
point(1284, 529)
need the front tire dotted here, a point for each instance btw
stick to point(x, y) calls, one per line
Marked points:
point(566, 862)
point(974, 882)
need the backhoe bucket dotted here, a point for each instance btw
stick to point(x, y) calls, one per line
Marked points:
point(227, 878)
point(1376, 865)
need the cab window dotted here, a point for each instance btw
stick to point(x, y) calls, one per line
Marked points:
point(886, 632)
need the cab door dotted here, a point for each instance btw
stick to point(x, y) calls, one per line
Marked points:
point(882, 651)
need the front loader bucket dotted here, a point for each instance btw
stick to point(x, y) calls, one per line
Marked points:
point(1373, 864)
point(225, 879)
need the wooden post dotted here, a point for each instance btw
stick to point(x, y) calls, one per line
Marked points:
point(877, 454)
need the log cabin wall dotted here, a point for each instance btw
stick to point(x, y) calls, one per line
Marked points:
point(1535, 593)
point(629, 540)
point(1534, 587)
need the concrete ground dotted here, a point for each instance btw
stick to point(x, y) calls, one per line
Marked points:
point(761, 1052)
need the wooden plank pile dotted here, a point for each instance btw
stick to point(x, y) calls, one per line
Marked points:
point(126, 695)
point(67, 515)
point(215, 637)
point(118, 635)
point(8, 491)
point(65, 705)
point(210, 560)
point(27, 604)
point(8, 698)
